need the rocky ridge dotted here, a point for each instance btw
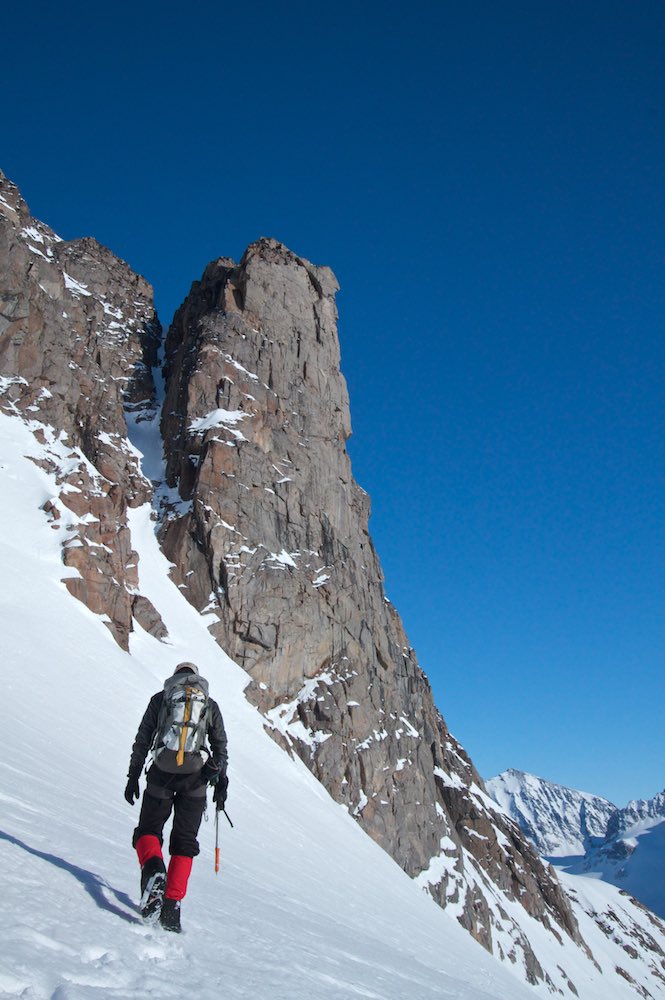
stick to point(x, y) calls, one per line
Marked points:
point(78, 340)
point(643, 813)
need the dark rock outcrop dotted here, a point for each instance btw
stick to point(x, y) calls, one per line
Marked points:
point(78, 339)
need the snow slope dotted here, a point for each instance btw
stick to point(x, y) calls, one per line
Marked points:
point(560, 821)
point(306, 904)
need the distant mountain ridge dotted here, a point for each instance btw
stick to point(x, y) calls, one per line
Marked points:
point(645, 813)
point(560, 821)
point(623, 846)
point(632, 855)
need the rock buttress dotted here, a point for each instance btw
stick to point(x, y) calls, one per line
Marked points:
point(271, 536)
point(78, 339)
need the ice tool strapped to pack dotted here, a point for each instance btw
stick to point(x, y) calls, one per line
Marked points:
point(183, 723)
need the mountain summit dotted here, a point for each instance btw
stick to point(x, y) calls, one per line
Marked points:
point(558, 820)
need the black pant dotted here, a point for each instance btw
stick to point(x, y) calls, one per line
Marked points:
point(186, 795)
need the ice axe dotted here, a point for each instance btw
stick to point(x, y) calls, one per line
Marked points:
point(217, 812)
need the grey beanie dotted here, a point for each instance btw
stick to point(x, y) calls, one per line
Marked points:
point(189, 667)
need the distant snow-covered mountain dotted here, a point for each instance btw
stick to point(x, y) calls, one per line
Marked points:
point(639, 815)
point(632, 855)
point(623, 846)
point(560, 821)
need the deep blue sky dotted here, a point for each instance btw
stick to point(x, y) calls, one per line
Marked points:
point(487, 180)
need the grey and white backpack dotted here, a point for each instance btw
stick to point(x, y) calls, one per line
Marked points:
point(182, 724)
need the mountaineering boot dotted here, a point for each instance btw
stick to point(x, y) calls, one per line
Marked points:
point(153, 887)
point(169, 918)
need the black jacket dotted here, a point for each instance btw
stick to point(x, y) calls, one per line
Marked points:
point(216, 734)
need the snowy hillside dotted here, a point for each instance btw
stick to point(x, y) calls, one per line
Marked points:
point(560, 821)
point(306, 904)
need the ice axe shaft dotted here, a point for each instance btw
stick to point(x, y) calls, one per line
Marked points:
point(217, 812)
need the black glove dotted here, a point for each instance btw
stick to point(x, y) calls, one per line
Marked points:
point(220, 791)
point(211, 771)
point(132, 791)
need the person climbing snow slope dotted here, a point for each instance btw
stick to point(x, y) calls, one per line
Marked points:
point(176, 724)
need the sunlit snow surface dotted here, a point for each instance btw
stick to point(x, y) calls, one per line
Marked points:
point(305, 906)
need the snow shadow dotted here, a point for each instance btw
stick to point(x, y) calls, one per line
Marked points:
point(94, 885)
point(565, 863)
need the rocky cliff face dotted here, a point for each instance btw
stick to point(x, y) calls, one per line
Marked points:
point(78, 339)
point(275, 542)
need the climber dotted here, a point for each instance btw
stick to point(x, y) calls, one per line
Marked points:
point(175, 726)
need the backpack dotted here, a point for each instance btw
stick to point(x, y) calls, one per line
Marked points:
point(182, 724)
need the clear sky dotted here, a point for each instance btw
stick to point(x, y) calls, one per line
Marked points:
point(487, 180)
